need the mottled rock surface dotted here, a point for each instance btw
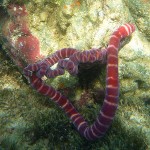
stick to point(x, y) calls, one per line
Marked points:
point(82, 25)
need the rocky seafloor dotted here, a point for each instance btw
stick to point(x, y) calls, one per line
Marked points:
point(29, 120)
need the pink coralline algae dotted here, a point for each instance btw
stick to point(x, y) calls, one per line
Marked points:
point(28, 47)
point(23, 47)
point(17, 10)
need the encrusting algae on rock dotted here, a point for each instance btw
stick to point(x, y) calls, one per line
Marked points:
point(22, 46)
point(58, 28)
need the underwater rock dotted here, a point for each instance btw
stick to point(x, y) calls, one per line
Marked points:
point(58, 24)
point(72, 25)
point(140, 10)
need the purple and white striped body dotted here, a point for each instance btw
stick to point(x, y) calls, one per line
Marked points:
point(109, 56)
